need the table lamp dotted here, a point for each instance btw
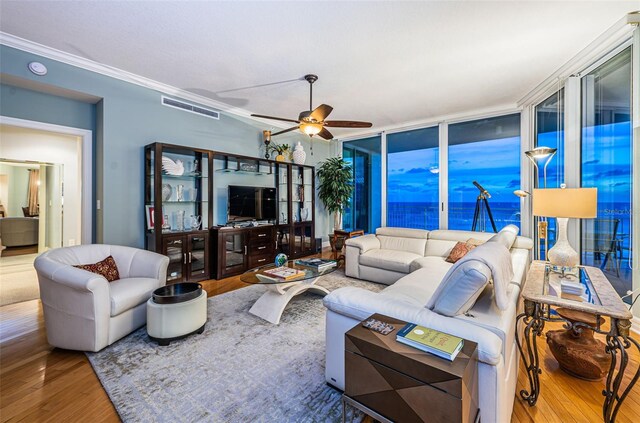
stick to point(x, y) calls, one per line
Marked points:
point(565, 203)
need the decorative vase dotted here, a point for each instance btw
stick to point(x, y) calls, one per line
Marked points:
point(279, 158)
point(180, 220)
point(166, 192)
point(299, 155)
point(304, 214)
point(180, 192)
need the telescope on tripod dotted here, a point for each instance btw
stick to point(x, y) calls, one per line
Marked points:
point(482, 205)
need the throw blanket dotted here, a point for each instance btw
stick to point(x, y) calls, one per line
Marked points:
point(498, 260)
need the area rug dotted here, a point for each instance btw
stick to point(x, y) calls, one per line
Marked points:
point(241, 369)
point(18, 279)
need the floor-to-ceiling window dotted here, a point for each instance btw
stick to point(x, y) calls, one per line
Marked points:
point(413, 179)
point(363, 211)
point(606, 150)
point(485, 151)
point(549, 132)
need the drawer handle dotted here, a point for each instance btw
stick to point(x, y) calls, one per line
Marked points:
point(261, 260)
point(262, 248)
point(262, 234)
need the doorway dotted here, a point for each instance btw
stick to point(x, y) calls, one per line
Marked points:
point(45, 196)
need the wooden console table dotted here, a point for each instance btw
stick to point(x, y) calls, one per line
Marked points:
point(541, 294)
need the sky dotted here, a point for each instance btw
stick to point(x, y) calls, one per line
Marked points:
point(495, 164)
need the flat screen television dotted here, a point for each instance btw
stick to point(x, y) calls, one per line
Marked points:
point(249, 203)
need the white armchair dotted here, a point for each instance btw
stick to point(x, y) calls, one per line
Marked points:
point(82, 311)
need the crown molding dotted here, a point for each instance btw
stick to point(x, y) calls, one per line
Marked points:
point(617, 34)
point(122, 75)
point(450, 118)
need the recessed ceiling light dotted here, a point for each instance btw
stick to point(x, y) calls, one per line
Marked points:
point(38, 68)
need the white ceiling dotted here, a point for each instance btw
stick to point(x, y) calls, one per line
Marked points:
point(386, 62)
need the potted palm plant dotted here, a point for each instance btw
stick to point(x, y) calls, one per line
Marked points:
point(335, 186)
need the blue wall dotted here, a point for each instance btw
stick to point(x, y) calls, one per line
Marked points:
point(127, 118)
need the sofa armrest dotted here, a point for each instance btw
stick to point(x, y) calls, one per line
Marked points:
point(147, 264)
point(359, 304)
point(364, 243)
point(69, 276)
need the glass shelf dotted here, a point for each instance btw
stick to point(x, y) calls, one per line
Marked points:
point(179, 202)
point(181, 177)
point(246, 172)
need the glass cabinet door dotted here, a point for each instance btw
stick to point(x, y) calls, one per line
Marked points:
point(234, 250)
point(283, 240)
point(174, 249)
point(183, 190)
point(197, 256)
point(282, 175)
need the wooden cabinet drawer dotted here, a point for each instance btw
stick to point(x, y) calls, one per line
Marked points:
point(260, 260)
point(260, 249)
point(261, 234)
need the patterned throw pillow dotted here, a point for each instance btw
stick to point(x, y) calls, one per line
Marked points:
point(459, 250)
point(475, 242)
point(106, 268)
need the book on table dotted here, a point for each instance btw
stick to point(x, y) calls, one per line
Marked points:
point(284, 273)
point(432, 341)
point(317, 263)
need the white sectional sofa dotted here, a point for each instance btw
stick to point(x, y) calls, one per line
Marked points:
point(413, 263)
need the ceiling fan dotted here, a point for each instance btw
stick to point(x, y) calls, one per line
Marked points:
point(312, 122)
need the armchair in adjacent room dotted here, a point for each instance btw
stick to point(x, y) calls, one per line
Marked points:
point(82, 311)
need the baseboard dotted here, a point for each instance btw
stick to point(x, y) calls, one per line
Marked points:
point(635, 325)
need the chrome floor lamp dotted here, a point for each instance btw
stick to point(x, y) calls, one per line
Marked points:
point(536, 156)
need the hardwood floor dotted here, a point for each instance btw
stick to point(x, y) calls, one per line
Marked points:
point(41, 383)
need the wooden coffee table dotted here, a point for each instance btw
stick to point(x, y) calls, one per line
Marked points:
point(279, 292)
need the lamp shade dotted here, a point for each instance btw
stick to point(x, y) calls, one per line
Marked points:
point(566, 202)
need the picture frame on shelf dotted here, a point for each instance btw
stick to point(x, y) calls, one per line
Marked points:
point(149, 213)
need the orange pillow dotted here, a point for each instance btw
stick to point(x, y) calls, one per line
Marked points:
point(459, 250)
point(106, 268)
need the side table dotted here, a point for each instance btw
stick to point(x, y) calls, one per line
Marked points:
point(391, 381)
point(542, 293)
point(339, 237)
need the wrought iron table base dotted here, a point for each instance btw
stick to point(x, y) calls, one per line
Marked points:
point(618, 341)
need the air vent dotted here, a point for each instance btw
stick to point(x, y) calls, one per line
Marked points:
point(176, 104)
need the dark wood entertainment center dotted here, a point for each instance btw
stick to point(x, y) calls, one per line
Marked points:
point(218, 251)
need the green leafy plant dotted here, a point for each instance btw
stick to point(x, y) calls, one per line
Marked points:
point(335, 187)
point(283, 149)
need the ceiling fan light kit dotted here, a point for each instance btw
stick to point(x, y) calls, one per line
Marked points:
point(312, 122)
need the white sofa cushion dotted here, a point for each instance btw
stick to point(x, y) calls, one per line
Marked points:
point(460, 288)
point(431, 262)
point(506, 236)
point(359, 304)
point(417, 287)
point(403, 232)
point(399, 261)
point(401, 239)
point(364, 243)
point(127, 293)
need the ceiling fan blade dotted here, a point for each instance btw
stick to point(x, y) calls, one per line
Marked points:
point(275, 118)
point(347, 124)
point(325, 134)
point(285, 130)
point(321, 112)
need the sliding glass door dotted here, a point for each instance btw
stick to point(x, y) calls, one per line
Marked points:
point(413, 179)
point(363, 211)
point(549, 132)
point(487, 152)
point(607, 164)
